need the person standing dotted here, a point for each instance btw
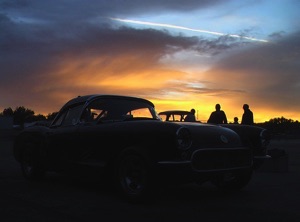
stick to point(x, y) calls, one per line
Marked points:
point(218, 116)
point(191, 116)
point(247, 118)
point(235, 120)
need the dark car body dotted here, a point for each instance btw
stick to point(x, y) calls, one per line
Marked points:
point(125, 137)
point(255, 137)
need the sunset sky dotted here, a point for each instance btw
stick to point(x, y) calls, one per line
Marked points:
point(178, 54)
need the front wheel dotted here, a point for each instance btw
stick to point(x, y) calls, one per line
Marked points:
point(133, 178)
point(232, 181)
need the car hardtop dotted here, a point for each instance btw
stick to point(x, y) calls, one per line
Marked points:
point(172, 113)
point(89, 98)
point(85, 100)
point(232, 126)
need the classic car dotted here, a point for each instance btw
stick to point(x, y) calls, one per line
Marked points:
point(125, 138)
point(255, 137)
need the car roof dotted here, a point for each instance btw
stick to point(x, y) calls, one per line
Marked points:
point(87, 98)
point(175, 112)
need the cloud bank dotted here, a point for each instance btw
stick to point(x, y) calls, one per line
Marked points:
point(51, 51)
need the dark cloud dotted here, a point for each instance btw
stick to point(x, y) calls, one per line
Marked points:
point(32, 53)
point(53, 50)
point(71, 9)
point(15, 4)
point(277, 35)
point(32, 43)
point(269, 73)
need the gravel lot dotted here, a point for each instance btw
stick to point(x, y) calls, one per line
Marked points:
point(271, 196)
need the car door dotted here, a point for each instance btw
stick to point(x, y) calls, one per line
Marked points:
point(95, 136)
point(62, 138)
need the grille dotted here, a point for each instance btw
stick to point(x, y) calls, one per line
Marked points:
point(221, 159)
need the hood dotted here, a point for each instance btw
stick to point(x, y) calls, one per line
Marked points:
point(212, 136)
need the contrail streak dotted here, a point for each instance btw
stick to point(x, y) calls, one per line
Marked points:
point(186, 28)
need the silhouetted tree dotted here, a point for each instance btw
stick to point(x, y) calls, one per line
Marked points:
point(21, 114)
point(7, 112)
point(35, 118)
point(281, 126)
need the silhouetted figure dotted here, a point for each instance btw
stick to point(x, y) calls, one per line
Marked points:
point(235, 120)
point(247, 118)
point(218, 116)
point(190, 117)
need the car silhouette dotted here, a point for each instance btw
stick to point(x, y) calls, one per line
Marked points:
point(137, 152)
point(255, 137)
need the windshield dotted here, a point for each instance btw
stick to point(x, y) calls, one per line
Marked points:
point(118, 109)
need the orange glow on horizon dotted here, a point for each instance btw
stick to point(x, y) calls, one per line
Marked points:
point(162, 105)
point(203, 113)
point(127, 75)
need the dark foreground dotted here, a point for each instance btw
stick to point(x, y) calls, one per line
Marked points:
point(270, 197)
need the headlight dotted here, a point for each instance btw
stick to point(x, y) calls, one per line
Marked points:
point(265, 137)
point(184, 138)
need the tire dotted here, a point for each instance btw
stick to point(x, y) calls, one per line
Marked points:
point(232, 181)
point(133, 178)
point(31, 164)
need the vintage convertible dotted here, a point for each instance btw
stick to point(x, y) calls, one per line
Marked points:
point(125, 137)
point(255, 137)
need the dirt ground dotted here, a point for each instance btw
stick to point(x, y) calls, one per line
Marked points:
point(271, 196)
point(292, 150)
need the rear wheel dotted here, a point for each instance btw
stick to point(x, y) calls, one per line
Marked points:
point(31, 164)
point(232, 181)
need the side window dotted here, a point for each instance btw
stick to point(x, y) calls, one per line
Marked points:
point(171, 117)
point(60, 119)
point(177, 118)
point(69, 116)
point(92, 114)
point(163, 117)
point(142, 112)
point(72, 116)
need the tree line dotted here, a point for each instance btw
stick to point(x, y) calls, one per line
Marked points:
point(22, 115)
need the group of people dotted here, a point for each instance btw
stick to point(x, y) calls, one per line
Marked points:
point(219, 117)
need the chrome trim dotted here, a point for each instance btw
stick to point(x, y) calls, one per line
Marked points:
point(201, 171)
point(228, 168)
point(262, 157)
point(221, 169)
point(175, 162)
point(189, 163)
point(235, 148)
